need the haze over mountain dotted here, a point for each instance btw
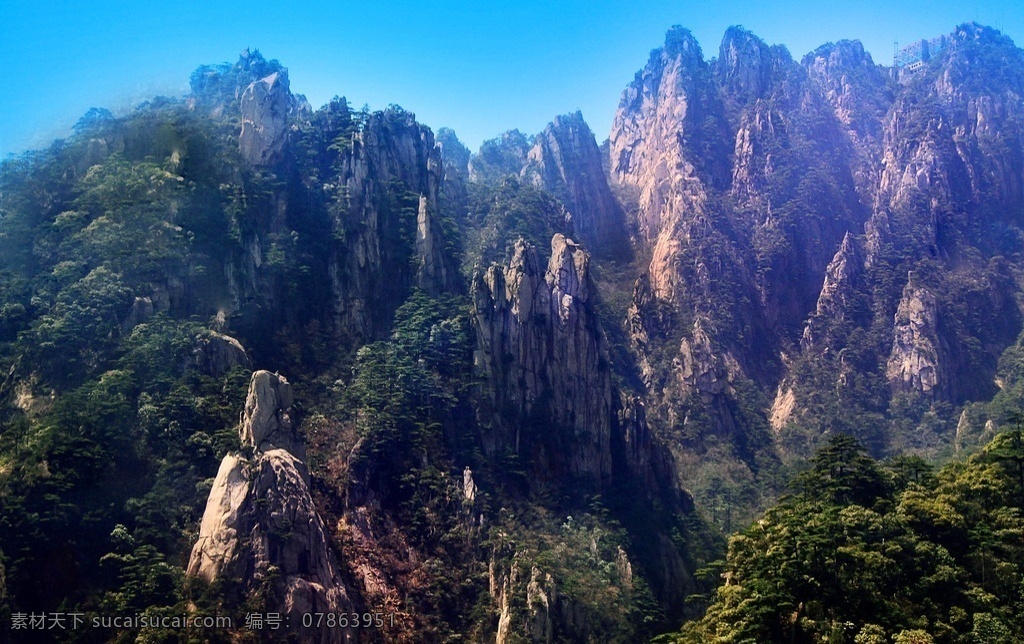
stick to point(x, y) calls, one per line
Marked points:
point(258, 357)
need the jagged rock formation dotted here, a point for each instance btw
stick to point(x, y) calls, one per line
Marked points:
point(455, 155)
point(776, 199)
point(544, 357)
point(664, 111)
point(529, 603)
point(260, 526)
point(368, 269)
point(265, 106)
point(823, 234)
point(548, 398)
point(543, 353)
point(217, 89)
point(916, 363)
point(565, 161)
point(837, 293)
point(858, 91)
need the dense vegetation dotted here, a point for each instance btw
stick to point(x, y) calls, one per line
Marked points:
point(871, 552)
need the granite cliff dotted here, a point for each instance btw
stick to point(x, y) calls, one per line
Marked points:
point(261, 531)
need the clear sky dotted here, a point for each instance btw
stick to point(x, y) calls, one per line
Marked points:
point(478, 67)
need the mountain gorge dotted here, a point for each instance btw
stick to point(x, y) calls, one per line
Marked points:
point(514, 395)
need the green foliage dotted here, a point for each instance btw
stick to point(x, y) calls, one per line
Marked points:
point(500, 213)
point(500, 157)
point(577, 575)
point(851, 557)
point(406, 388)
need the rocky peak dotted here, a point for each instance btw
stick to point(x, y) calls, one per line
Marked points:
point(260, 524)
point(668, 137)
point(659, 103)
point(543, 354)
point(216, 89)
point(679, 44)
point(744, 64)
point(855, 87)
point(393, 159)
point(836, 293)
point(266, 422)
point(266, 105)
point(566, 161)
point(859, 93)
point(454, 154)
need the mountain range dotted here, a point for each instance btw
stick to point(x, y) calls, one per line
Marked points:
point(520, 394)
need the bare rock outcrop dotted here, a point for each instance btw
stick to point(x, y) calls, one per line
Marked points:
point(744, 64)
point(265, 105)
point(566, 161)
point(541, 349)
point(392, 167)
point(661, 121)
point(837, 293)
point(214, 354)
point(858, 92)
point(916, 362)
point(260, 527)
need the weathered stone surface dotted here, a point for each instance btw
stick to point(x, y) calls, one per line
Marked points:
point(659, 114)
point(265, 105)
point(858, 91)
point(916, 360)
point(836, 294)
point(566, 162)
point(371, 270)
point(703, 369)
point(260, 524)
point(542, 351)
point(744, 64)
point(453, 152)
point(214, 354)
point(266, 422)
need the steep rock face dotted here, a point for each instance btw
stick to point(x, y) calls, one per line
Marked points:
point(455, 161)
point(566, 162)
point(217, 89)
point(393, 167)
point(744, 64)
point(837, 293)
point(858, 91)
point(539, 345)
point(265, 105)
point(453, 152)
point(917, 361)
point(819, 153)
point(701, 368)
point(662, 116)
point(260, 525)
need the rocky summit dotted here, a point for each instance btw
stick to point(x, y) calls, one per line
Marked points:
point(260, 359)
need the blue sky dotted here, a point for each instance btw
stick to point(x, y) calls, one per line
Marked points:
point(478, 67)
